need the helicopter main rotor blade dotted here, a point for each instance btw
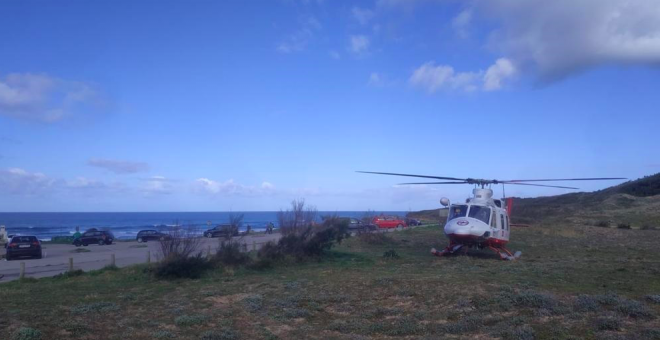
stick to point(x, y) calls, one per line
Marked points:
point(540, 185)
point(434, 183)
point(562, 179)
point(409, 175)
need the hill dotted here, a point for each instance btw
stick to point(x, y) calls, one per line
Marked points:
point(635, 203)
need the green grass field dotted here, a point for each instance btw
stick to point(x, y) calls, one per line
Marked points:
point(571, 283)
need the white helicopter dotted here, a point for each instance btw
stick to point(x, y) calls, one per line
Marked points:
point(482, 221)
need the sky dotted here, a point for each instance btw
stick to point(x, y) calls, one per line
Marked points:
point(247, 105)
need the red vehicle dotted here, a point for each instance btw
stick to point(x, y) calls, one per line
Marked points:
point(389, 222)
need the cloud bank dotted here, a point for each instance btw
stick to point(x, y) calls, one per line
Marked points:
point(118, 166)
point(45, 99)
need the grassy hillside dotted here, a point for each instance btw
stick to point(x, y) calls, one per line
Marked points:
point(635, 203)
point(571, 283)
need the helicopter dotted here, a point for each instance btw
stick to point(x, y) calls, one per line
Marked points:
point(482, 221)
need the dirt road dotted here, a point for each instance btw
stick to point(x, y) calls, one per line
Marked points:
point(56, 256)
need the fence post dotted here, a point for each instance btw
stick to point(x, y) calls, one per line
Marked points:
point(112, 260)
point(208, 251)
point(148, 256)
point(70, 264)
point(254, 245)
point(22, 274)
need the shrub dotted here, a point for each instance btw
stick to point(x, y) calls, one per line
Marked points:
point(163, 334)
point(654, 298)
point(391, 254)
point(180, 243)
point(623, 226)
point(180, 266)
point(608, 324)
point(298, 219)
point(96, 307)
point(229, 253)
point(648, 227)
point(27, 333)
point(308, 242)
point(223, 334)
point(520, 333)
point(76, 328)
point(634, 309)
point(67, 275)
point(602, 224)
point(190, 320)
point(253, 303)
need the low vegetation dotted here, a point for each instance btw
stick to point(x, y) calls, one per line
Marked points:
point(571, 283)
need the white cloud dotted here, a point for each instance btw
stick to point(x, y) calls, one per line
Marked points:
point(555, 39)
point(379, 80)
point(461, 23)
point(362, 15)
point(41, 98)
point(497, 73)
point(433, 78)
point(17, 181)
point(443, 77)
point(118, 166)
point(229, 187)
point(299, 40)
point(157, 185)
point(359, 44)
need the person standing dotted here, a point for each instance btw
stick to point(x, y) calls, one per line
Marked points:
point(77, 234)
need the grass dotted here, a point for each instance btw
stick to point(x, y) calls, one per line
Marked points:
point(571, 282)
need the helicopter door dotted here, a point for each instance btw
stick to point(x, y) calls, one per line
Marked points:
point(505, 234)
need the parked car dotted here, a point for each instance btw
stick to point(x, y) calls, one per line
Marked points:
point(21, 246)
point(223, 230)
point(389, 222)
point(94, 236)
point(356, 225)
point(151, 235)
point(413, 221)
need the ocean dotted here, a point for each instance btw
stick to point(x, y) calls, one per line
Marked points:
point(127, 225)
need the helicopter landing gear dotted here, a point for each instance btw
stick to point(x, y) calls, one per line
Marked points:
point(505, 254)
point(451, 249)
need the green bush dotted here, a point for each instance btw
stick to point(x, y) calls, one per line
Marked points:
point(190, 320)
point(229, 253)
point(608, 324)
point(308, 242)
point(27, 333)
point(163, 334)
point(223, 334)
point(391, 254)
point(178, 266)
point(623, 226)
point(602, 224)
point(648, 227)
point(96, 307)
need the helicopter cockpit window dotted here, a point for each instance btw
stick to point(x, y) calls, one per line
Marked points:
point(457, 211)
point(479, 212)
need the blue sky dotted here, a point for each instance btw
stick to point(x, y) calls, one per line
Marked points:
point(246, 105)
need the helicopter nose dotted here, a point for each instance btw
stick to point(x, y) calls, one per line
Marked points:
point(464, 227)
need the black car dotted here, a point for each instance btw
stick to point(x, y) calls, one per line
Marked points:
point(412, 221)
point(151, 235)
point(94, 236)
point(356, 225)
point(223, 230)
point(23, 246)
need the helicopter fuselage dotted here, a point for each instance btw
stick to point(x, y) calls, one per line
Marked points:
point(481, 222)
